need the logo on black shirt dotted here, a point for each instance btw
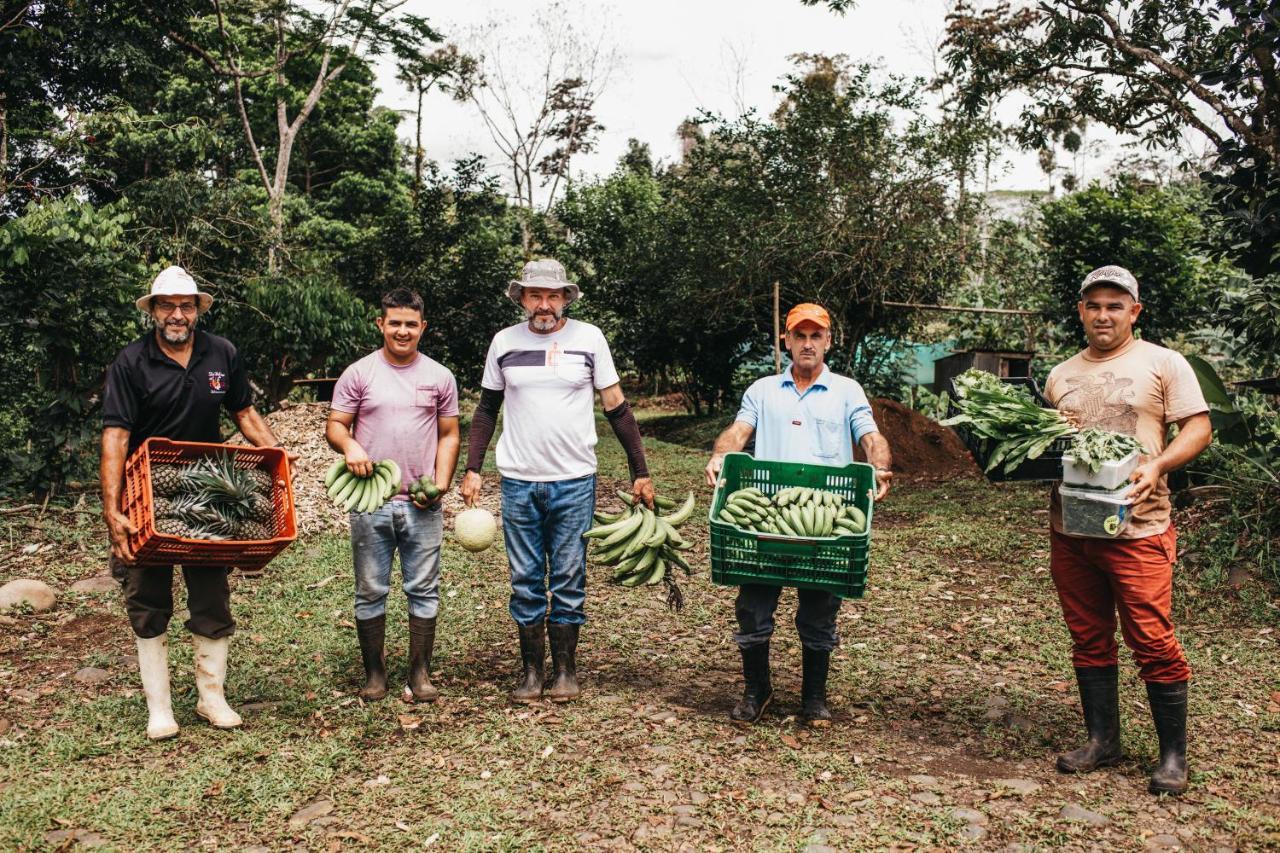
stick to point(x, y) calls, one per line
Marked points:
point(217, 382)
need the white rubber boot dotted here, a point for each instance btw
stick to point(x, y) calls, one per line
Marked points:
point(153, 665)
point(211, 674)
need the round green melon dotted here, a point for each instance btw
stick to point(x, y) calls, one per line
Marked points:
point(475, 529)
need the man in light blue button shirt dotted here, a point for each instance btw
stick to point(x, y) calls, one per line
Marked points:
point(805, 414)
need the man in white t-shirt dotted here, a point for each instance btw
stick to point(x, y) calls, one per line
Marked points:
point(547, 370)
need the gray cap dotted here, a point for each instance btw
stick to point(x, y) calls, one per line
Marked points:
point(1114, 276)
point(544, 272)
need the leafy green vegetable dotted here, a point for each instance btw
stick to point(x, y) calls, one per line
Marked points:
point(1008, 415)
point(1094, 447)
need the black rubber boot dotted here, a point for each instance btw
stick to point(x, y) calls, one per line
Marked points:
point(564, 648)
point(533, 653)
point(813, 706)
point(1100, 696)
point(422, 640)
point(372, 634)
point(1169, 710)
point(757, 691)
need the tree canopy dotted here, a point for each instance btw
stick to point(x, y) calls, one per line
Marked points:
point(1154, 232)
point(247, 142)
point(1147, 68)
point(832, 198)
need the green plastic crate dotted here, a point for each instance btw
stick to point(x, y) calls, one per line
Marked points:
point(837, 565)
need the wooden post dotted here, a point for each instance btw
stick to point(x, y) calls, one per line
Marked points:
point(777, 332)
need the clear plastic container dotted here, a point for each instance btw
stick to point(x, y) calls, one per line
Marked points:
point(1110, 476)
point(1094, 512)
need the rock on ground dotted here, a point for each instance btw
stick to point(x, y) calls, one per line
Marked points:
point(100, 583)
point(1082, 815)
point(310, 812)
point(37, 594)
point(91, 675)
point(1021, 787)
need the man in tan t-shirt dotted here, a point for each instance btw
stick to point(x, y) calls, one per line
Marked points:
point(1134, 387)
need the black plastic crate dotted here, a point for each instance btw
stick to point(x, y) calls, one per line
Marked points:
point(1047, 467)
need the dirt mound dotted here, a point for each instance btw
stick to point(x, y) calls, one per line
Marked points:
point(921, 448)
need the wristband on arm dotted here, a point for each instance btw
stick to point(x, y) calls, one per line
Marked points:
point(628, 433)
point(483, 423)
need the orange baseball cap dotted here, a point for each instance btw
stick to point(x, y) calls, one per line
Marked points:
point(808, 311)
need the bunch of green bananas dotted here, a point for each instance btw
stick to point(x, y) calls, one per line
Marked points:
point(362, 494)
point(794, 511)
point(642, 545)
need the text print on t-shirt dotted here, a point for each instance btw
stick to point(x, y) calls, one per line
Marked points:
point(1103, 400)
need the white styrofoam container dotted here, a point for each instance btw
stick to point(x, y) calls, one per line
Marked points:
point(1110, 476)
point(1094, 512)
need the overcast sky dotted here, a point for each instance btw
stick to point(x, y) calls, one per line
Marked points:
point(678, 56)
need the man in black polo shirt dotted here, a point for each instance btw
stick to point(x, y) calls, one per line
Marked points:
point(173, 382)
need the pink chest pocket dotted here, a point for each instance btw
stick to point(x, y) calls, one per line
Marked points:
point(425, 397)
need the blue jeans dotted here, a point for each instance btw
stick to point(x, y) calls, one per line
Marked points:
point(542, 525)
point(375, 537)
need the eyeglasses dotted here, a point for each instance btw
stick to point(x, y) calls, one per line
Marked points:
point(539, 295)
point(170, 307)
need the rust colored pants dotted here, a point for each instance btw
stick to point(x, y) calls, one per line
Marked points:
point(1096, 578)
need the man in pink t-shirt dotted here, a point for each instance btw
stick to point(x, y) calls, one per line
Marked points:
point(396, 403)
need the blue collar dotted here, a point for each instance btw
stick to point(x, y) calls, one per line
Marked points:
point(821, 382)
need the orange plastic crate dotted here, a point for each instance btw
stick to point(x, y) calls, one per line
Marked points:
point(158, 549)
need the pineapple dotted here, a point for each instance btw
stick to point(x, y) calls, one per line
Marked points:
point(200, 517)
point(174, 527)
point(261, 509)
point(208, 516)
point(219, 527)
point(213, 531)
point(224, 486)
point(167, 480)
point(179, 506)
point(213, 499)
point(261, 480)
point(254, 531)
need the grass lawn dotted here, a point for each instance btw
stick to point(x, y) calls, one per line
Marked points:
point(952, 691)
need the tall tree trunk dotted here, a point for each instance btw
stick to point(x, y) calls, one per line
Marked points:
point(526, 236)
point(306, 171)
point(280, 383)
point(417, 150)
point(275, 238)
point(280, 184)
point(4, 146)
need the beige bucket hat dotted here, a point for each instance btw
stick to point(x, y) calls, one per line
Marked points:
point(544, 272)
